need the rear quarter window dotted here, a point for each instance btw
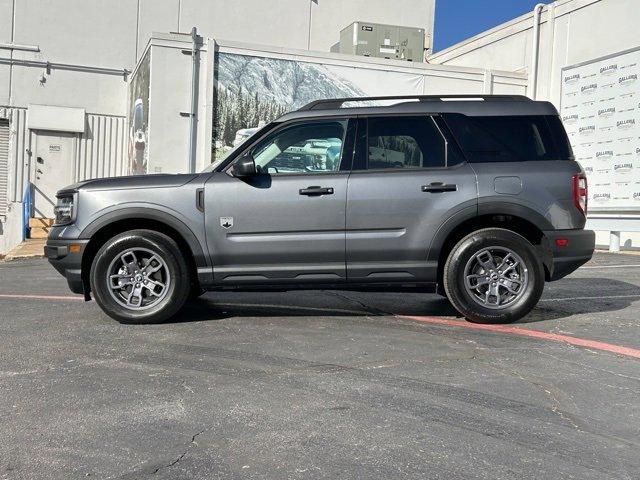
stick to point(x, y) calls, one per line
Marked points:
point(510, 138)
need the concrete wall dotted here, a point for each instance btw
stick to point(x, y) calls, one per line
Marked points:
point(304, 24)
point(89, 34)
point(98, 33)
point(571, 32)
point(170, 100)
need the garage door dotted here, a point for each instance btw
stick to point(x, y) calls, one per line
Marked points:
point(4, 165)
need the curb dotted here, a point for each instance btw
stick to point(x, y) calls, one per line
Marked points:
point(11, 258)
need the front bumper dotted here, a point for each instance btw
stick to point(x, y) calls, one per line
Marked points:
point(578, 250)
point(67, 261)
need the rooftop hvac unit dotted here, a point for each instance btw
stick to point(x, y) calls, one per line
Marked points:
point(383, 41)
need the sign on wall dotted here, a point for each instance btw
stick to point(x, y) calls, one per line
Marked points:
point(600, 108)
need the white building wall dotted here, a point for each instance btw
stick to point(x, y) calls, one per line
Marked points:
point(170, 101)
point(328, 16)
point(571, 32)
point(101, 33)
point(74, 53)
point(303, 24)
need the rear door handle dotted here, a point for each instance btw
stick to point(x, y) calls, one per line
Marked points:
point(316, 191)
point(437, 187)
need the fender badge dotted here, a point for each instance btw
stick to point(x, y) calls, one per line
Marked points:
point(226, 222)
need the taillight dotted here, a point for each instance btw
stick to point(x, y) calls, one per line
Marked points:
point(580, 192)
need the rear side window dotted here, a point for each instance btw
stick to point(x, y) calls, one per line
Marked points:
point(510, 138)
point(404, 142)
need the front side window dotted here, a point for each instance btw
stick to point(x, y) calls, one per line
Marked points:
point(314, 147)
point(405, 142)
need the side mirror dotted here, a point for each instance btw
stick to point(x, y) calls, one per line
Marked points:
point(245, 166)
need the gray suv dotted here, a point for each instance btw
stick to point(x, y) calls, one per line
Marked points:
point(476, 198)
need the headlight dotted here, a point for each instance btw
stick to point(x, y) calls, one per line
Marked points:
point(64, 210)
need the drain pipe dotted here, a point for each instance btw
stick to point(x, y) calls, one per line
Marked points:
point(194, 101)
point(533, 80)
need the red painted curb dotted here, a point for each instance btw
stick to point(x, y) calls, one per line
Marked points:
point(40, 297)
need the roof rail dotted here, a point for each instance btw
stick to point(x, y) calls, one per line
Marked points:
point(334, 103)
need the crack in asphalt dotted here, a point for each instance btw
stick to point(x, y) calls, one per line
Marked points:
point(367, 308)
point(183, 454)
point(556, 406)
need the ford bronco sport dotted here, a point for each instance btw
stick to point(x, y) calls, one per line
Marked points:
point(477, 198)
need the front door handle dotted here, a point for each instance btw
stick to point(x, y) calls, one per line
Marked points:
point(437, 187)
point(311, 191)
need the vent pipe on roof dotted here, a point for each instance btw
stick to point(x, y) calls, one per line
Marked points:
point(533, 73)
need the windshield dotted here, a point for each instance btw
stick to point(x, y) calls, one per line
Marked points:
point(235, 148)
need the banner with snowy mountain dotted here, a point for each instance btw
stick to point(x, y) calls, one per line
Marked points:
point(253, 90)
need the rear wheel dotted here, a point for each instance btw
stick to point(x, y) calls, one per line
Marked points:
point(140, 276)
point(493, 276)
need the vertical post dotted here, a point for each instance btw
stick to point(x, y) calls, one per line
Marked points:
point(26, 210)
point(487, 83)
point(193, 127)
point(614, 241)
point(533, 73)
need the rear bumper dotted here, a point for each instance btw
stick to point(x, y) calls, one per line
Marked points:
point(577, 251)
point(68, 264)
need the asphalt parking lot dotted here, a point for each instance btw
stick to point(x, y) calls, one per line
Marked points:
point(322, 385)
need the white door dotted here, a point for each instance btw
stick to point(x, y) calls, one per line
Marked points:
point(52, 169)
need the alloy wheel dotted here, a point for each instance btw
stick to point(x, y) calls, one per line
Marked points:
point(495, 277)
point(138, 279)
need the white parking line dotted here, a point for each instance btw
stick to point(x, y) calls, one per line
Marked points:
point(609, 266)
point(588, 298)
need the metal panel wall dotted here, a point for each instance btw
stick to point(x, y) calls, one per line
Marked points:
point(100, 151)
point(18, 162)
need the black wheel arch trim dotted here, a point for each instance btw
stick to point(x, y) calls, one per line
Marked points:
point(491, 208)
point(513, 207)
point(200, 258)
point(443, 232)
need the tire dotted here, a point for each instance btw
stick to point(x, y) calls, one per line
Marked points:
point(158, 269)
point(474, 285)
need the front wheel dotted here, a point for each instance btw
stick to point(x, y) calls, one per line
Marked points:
point(140, 276)
point(493, 276)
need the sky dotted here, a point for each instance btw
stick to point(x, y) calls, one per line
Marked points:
point(457, 20)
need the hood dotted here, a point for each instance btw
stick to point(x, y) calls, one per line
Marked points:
point(133, 181)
